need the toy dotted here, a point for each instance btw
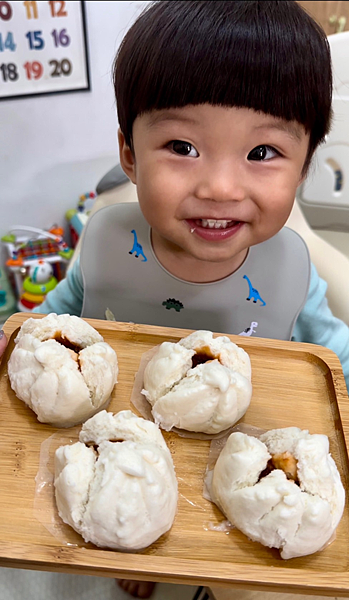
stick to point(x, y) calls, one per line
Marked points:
point(41, 272)
point(35, 287)
point(38, 249)
point(77, 217)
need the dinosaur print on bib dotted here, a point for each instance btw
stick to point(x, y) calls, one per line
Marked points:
point(173, 303)
point(137, 248)
point(250, 330)
point(254, 294)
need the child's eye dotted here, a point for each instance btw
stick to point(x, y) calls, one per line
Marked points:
point(263, 153)
point(183, 148)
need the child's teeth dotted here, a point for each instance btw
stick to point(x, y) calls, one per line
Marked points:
point(214, 223)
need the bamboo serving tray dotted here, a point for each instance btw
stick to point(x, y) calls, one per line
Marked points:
point(293, 385)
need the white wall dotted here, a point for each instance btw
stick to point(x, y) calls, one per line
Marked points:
point(55, 148)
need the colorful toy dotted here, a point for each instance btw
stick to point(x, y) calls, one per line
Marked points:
point(77, 217)
point(35, 287)
point(36, 258)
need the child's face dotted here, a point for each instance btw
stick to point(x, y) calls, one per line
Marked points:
point(213, 181)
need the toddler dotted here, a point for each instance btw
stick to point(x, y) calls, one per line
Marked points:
point(221, 105)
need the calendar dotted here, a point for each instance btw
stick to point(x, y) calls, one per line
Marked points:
point(43, 48)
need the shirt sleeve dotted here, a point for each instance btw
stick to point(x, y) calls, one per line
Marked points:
point(67, 297)
point(317, 325)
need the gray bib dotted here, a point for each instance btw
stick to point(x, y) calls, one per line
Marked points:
point(120, 272)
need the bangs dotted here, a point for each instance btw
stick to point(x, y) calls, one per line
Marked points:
point(268, 56)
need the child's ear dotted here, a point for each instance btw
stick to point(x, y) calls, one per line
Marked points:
point(127, 159)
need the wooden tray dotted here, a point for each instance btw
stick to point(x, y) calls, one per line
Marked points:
point(294, 384)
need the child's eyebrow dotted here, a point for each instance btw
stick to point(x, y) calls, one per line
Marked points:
point(159, 117)
point(294, 130)
point(291, 129)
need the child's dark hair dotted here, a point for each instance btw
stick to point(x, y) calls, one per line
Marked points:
point(270, 56)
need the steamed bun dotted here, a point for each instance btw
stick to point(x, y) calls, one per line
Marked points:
point(117, 485)
point(200, 383)
point(282, 490)
point(62, 369)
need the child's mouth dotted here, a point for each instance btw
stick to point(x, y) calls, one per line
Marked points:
point(214, 229)
point(214, 223)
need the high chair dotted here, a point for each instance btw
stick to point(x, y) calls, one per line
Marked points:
point(324, 195)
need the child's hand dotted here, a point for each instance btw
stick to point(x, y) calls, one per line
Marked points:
point(3, 343)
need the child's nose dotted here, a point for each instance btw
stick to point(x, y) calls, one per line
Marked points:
point(221, 183)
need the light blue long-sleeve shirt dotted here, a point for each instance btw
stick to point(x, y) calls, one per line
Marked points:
point(315, 324)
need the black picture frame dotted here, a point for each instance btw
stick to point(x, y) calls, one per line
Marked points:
point(86, 64)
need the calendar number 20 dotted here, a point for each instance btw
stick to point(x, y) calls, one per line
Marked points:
point(63, 67)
